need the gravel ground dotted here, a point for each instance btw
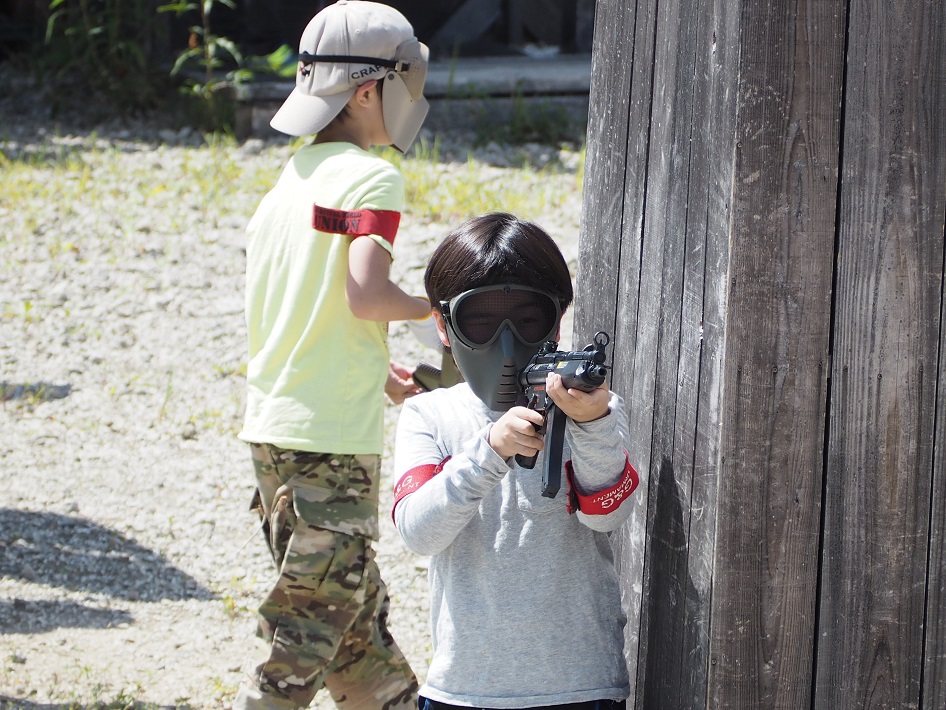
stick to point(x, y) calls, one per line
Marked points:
point(129, 568)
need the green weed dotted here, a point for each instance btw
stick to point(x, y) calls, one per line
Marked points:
point(107, 44)
point(530, 120)
point(129, 200)
point(218, 61)
point(233, 370)
point(440, 191)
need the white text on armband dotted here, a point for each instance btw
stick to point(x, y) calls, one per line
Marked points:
point(614, 497)
point(604, 502)
point(414, 479)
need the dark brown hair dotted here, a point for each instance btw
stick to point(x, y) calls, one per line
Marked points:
point(497, 248)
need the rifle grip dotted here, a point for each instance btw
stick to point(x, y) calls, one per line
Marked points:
point(527, 462)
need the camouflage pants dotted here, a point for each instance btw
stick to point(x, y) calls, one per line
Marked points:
point(326, 616)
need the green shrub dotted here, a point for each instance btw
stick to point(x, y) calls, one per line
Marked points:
point(105, 45)
point(210, 66)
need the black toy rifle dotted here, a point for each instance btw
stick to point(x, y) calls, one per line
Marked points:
point(580, 369)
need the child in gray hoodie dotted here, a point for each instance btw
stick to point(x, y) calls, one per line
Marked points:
point(525, 604)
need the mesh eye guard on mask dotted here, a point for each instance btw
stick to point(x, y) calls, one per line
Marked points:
point(477, 316)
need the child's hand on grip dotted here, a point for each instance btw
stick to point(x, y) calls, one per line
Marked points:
point(578, 405)
point(515, 432)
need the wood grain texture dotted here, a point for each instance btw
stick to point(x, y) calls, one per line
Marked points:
point(684, 258)
point(931, 203)
point(887, 340)
point(934, 648)
point(609, 249)
point(777, 348)
point(769, 248)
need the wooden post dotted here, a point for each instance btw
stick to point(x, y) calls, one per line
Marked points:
point(763, 231)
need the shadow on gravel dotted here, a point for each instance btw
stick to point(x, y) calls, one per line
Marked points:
point(11, 703)
point(79, 555)
point(21, 616)
point(7, 703)
point(37, 391)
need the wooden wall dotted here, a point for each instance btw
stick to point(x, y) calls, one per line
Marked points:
point(763, 233)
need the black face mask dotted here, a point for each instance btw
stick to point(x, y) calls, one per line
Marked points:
point(494, 333)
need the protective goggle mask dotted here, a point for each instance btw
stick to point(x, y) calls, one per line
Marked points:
point(494, 333)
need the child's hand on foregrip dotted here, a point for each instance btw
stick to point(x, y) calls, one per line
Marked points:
point(578, 405)
point(399, 385)
point(514, 433)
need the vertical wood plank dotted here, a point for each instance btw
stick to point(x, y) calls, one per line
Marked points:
point(609, 159)
point(699, 381)
point(931, 199)
point(609, 248)
point(934, 650)
point(887, 337)
point(668, 589)
point(777, 345)
point(684, 259)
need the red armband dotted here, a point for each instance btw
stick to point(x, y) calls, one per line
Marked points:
point(358, 223)
point(606, 501)
point(414, 479)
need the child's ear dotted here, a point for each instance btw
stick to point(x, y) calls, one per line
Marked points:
point(441, 329)
point(362, 95)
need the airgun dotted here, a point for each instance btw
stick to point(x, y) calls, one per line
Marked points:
point(580, 369)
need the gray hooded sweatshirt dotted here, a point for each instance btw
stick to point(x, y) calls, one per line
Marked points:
point(525, 608)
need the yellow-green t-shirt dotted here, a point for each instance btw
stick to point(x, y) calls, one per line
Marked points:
point(316, 373)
